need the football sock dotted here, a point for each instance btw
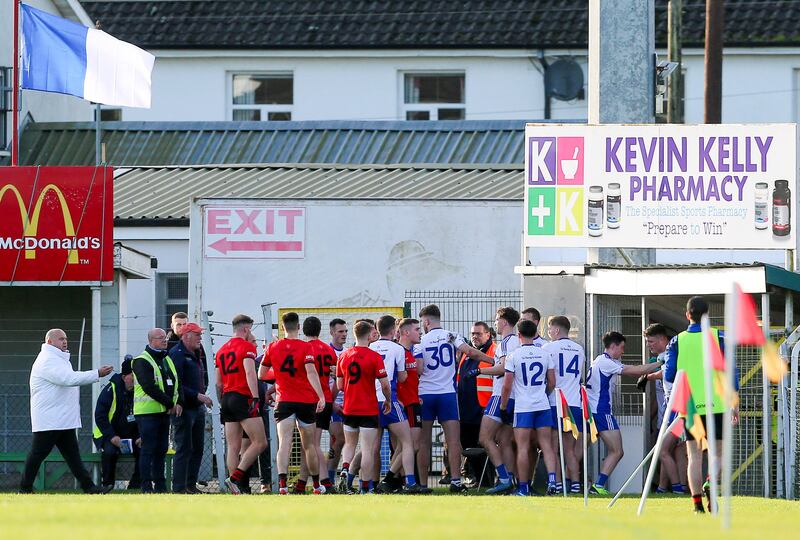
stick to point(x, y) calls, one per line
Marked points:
point(455, 481)
point(568, 482)
point(502, 473)
point(364, 486)
point(331, 473)
point(315, 480)
point(326, 482)
point(677, 488)
point(575, 487)
point(660, 490)
point(410, 480)
point(698, 502)
point(524, 487)
point(551, 478)
point(237, 475)
point(346, 466)
point(350, 478)
point(282, 480)
point(300, 485)
point(371, 484)
point(602, 479)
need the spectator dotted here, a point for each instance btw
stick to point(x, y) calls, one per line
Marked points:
point(156, 395)
point(55, 410)
point(114, 424)
point(189, 428)
point(179, 320)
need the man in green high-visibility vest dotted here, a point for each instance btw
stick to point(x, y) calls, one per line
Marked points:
point(156, 395)
point(685, 351)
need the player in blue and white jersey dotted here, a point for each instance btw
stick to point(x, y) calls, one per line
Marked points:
point(496, 435)
point(530, 376)
point(394, 359)
point(437, 392)
point(601, 383)
point(532, 314)
point(570, 360)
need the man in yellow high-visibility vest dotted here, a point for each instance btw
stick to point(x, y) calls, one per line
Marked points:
point(685, 351)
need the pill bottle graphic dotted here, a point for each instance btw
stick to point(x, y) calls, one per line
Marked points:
point(613, 205)
point(781, 208)
point(595, 213)
point(762, 205)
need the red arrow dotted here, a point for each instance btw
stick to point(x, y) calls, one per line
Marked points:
point(224, 245)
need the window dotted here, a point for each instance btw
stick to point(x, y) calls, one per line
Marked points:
point(262, 96)
point(433, 96)
point(109, 115)
point(6, 88)
point(172, 295)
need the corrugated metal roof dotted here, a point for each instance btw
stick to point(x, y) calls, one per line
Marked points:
point(201, 143)
point(164, 193)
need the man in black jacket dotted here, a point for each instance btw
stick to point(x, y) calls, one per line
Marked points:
point(156, 395)
point(115, 424)
point(189, 427)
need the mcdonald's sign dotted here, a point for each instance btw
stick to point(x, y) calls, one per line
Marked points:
point(56, 225)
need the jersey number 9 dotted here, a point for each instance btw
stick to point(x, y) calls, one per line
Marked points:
point(354, 370)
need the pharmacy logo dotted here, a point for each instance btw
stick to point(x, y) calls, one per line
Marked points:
point(554, 176)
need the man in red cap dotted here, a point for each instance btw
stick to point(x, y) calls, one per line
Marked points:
point(189, 428)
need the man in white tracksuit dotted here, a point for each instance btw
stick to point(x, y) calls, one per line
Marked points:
point(55, 410)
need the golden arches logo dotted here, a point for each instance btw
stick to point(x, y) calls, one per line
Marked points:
point(30, 222)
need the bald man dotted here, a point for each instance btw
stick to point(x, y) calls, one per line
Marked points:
point(55, 410)
point(156, 395)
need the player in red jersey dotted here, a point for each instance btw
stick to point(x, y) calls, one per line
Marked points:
point(238, 385)
point(299, 398)
point(358, 369)
point(325, 362)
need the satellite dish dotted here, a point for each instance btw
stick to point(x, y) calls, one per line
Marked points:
point(563, 80)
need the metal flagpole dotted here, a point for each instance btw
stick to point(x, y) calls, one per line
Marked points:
point(15, 94)
point(711, 435)
point(560, 408)
point(731, 308)
point(585, 452)
point(660, 439)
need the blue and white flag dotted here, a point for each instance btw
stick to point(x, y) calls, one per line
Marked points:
point(65, 57)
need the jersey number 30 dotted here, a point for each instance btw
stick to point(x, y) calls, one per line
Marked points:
point(438, 355)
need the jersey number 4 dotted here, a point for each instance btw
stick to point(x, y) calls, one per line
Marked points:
point(228, 363)
point(572, 367)
point(288, 366)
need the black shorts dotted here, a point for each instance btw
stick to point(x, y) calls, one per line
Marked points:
point(355, 421)
point(305, 413)
point(718, 421)
point(234, 407)
point(324, 417)
point(414, 415)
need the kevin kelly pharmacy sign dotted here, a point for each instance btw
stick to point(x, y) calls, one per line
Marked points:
point(665, 186)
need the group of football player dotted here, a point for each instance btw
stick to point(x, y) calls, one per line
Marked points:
point(399, 375)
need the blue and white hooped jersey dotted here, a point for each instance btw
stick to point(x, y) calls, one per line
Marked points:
point(601, 383)
point(440, 362)
point(529, 364)
point(508, 344)
point(569, 359)
point(394, 360)
point(340, 396)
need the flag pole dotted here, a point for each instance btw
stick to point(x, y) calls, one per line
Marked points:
point(641, 465)
point(560, 407)
point(711, 435)
point(15, 94)
point(585, 435)
point(731, 308)
point(660, 439)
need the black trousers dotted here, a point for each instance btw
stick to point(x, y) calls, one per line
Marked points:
point(43, 443)
point(189, 432)
point(154, 431)
point(108, 459)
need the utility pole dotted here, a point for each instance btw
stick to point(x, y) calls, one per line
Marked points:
point(675, 54)
point(715, 14)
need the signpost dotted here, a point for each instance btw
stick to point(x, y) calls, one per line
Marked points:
point(254, 232)
point(57, 225)
point(660, 186)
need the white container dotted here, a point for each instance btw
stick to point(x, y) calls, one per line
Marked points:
point(613, 205)
point(595, 212)
point(762, 205)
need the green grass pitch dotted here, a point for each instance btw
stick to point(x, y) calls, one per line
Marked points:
point(222, 517)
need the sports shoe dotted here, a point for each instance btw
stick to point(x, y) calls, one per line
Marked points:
point(699, 510)
point(283, 491)
point(553, 490)
point(387, 487)
point(500, 488)
point(342, 486)
point(266, 488)
point(518, 493)
point(99, 490)
point(320, 490)
point(598, 490)
point(458, 488)
point(660, 490)
point(445, 480)
point(233, 488)
point(680, 491)
point(347, 490)
point(416, 489)
point(330, 490)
